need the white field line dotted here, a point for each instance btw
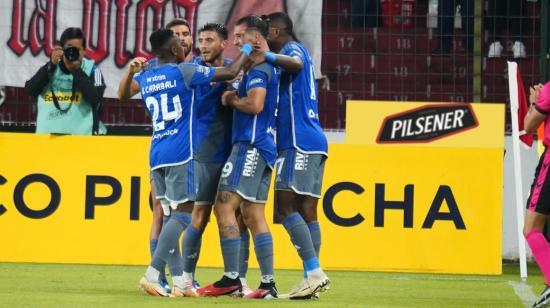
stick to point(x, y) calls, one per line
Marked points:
point(524, 292)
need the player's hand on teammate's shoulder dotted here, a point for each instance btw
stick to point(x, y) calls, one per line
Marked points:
point(227, 97)
point(136, 65)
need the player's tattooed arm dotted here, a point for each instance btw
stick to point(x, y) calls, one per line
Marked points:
point(128, 87)
point(253, 103)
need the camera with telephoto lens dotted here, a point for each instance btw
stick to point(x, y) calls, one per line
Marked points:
point(71, 53)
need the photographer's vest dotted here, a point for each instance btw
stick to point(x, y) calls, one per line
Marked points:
point(78, 120)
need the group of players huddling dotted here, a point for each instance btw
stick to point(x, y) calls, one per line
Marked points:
point(215, 122)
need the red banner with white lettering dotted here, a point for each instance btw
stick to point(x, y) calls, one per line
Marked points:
point(118, 30)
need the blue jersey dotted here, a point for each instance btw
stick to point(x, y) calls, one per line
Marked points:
point(259, 129)
point(212, 131)
point(168, 93)
point(298, 115)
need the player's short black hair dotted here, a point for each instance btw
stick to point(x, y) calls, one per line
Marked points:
point(177, 22)
point(214, 27)
point(72, 33)
point(255, 23)
point(160, 38)
point(284, 19)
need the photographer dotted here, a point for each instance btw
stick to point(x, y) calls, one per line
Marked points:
point(69, 89)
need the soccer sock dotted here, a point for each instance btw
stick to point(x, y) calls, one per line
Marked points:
point(541, 252)
point(168, 244)
point(315, 232)
point(263, 246)
point(300, 237)
point(190, 246)
point(244, 254)
point(165, 220)
point(230, 253)
point(153, 246)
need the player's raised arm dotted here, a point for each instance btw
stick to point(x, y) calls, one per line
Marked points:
point(232, 70)
point(292, 64)
point(128, 86)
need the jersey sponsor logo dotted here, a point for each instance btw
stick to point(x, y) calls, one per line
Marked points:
point(250, 163)
point(169, 132)
point(62, 97)
point(156, 78)
point(427, 123)
point(301, 161)
point(255, 81)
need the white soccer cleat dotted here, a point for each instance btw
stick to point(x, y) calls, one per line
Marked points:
point(519, 50)
point(310, 288)
point(152, 288)
point(495, 50)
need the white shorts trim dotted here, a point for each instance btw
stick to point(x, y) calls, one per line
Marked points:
point(172, 165)
point(305, 193)
point(250, 199)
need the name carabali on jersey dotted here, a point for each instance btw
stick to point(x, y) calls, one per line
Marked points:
point(427, 123)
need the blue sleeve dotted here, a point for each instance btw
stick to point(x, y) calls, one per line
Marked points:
point(137, 77)
point(256, 79)
point(292, 50)
point(194, 74)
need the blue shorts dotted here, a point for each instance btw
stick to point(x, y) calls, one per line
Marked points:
point(246, 173)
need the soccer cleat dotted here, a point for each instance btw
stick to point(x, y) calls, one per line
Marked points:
point(265, 291)
point(310, 288)
point(152, 288)
point(188, 291)
point(196, 284)
point(224, 286)
point(246, 290)
point(544, 298)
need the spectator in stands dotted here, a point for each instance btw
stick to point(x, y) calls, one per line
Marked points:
point(446, 10)
point(506, 15)
point(69, 89)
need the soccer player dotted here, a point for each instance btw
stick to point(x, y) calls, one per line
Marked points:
point(181, 29)
point(302, 151)
point(168, 92)
point(246, 175)
point(212, 142)
point(538, 203)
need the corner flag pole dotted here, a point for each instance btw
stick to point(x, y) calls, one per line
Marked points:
point(514, 105)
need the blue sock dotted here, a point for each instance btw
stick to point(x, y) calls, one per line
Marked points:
point(315, 231)
point(153, 246)
point(190, 246)
point(230, 253)
point(263, 246)
point(300, 236)
point(244, 254)
point(168, 244)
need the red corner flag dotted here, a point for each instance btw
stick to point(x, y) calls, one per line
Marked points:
point(527, 139)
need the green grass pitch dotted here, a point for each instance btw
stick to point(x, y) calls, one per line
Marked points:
point(61, 285)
